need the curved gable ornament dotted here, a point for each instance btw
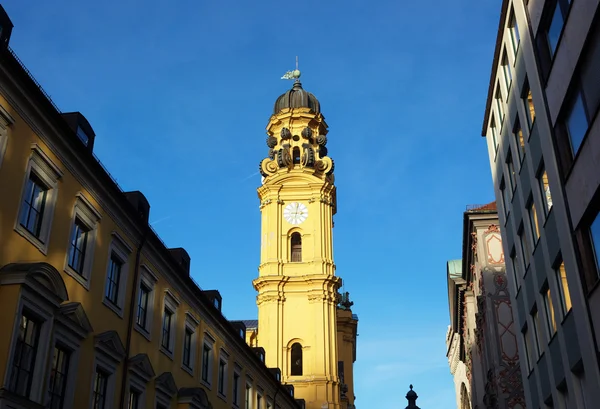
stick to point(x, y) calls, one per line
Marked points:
point(40, 277)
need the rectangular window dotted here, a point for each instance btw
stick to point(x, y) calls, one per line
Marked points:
point(113, 279)
point(527, 99)
point(236, 388)
point(563, 286)
point(142, 310)
point(82, 136)
point(134, 399)
point(506, 72)
point(166, 329)
point(258, 401)
point(527, 342)
point(577, 122)
point(494, 134)
point(536, 332)
point(534, 222)
point(505, 200)
point(222, 374)
point(500, 105)
point(248, 396)
point(77, 247)
point(187, 348)
point(545, 189)
point(99, 392)
point(515, 37)
point(595, 239)
point(550, 318)
point(524, 248)
point(515, 267)
point(519, 139)
point(512, 176)
point(555, 26)
point(206, 350)
point(58, 377)
point(34, 203)
point(25, 356)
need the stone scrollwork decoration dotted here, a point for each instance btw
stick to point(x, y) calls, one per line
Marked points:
point(271, 141)
point(285, 134)
point(271, 154)
point(308, 159)
point(307, 133)
point(322, 140)
point(268, 167)
point(322, 151)
point(324, 165)
point(284, 158)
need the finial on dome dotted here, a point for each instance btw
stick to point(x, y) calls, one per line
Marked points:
point(292, 75)
point(411, 386)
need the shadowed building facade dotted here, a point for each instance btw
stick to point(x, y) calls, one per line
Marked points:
point(305, 326)
point(482, 339)
point(543, 140)
point(96, 311)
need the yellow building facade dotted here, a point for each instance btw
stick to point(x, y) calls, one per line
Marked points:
point(96, 311)
point(305, 327)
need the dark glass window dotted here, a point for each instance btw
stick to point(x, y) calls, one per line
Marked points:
point(83, 136)
point(515, 37)
point(296, 360)
point(221, 385)
point(577, 122)
point(99, 393)
point(205, 362)
point(296, 244)
point(166, 330)
point(58, 377)
point(519, 139)
point(236, 388)
point(77, 249)
point(25, 354)
point(32, 209)
point(187, 348)
point(142, 312)
point(134, 399)
point(113, 279)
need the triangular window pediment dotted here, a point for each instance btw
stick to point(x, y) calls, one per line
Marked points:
point(141, 366)
point(109, 343)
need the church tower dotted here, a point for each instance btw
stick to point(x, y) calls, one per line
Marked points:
point(297, 286)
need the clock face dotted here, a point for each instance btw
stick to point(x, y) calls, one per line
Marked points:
point(295, 213)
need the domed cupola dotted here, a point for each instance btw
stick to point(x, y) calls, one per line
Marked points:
point(297, 97)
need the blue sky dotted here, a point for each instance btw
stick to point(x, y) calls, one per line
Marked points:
point(179, 94)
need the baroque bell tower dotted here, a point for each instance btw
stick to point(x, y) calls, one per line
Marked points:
point(297, 286)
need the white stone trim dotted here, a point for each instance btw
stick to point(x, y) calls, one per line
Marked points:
point(191, 323)
point(72, 344)
point(6, 120)
point(110, 369)
point(148, 279)
point(85, 212)
point(207, 341)
point(122, 251)
point(41, 165)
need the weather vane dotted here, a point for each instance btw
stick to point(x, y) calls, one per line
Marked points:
point(292, 75)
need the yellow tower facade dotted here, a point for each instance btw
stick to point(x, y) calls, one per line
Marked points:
point(297, 286)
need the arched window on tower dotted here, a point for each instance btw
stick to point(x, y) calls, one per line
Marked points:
point(296, 359)
point(296, 245)
point(296, 155)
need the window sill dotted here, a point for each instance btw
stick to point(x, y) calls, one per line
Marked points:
point(113, 307)
point(168, 353)
point(548, 212)
point(84, 281)
point(565, 315)
point(187, 369)
point(43, 248)
point(145, 333)
point(205, 384)
point(530, 126)
point(221, 396)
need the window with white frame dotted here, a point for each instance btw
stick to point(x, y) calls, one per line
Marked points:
point(169, 318)
point(189, 343)
point(544, 189)
point(515, 36)
point(82, 240)
point(207, 359)
point(248, 396)
point(494, 131)
point(40, 190)
point(5, 121)
point(237, 370)
point(109, 354)
point(499, 104)
point(506, 73)
point(145, 301)
point(117, 270)
point(222, 374)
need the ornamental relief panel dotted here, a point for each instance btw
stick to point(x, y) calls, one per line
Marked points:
point(493, 248)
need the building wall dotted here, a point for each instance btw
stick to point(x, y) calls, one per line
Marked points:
point(72, 309)
point(483, 335)
point(545, 271)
